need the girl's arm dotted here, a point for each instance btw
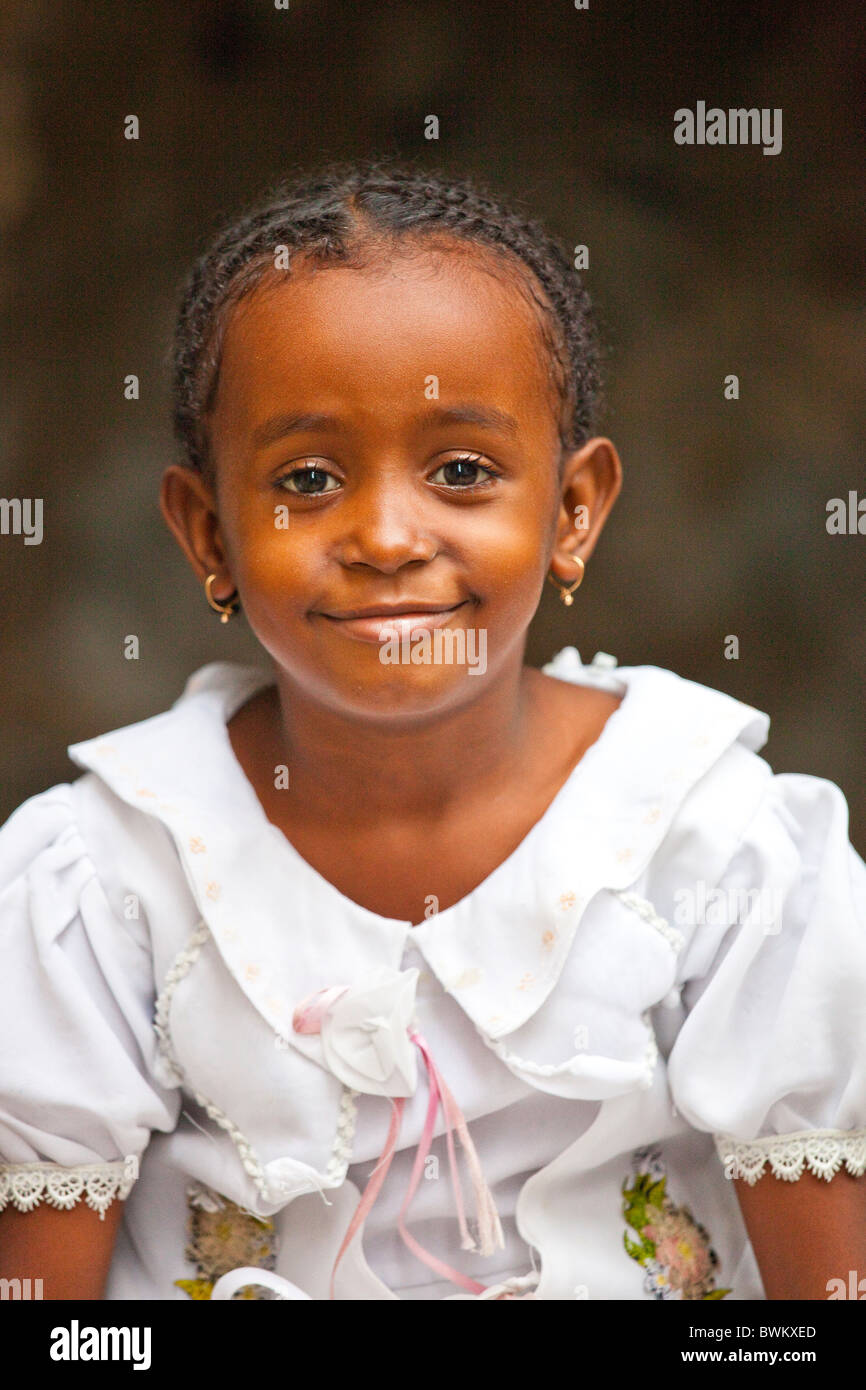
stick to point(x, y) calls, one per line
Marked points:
point(70, 1251)
point(807, 1232)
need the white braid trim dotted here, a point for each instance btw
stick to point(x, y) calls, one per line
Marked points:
point(25, 1185)
point(822, 1151)
point(573, 1065)
point(181, 966)
point(644, 909)
point(651, 1053)
point(338, 1163)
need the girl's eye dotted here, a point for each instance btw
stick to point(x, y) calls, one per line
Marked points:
point(309, 482)
point(463, 472)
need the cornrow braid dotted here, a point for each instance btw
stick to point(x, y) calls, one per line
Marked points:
point(347, 214)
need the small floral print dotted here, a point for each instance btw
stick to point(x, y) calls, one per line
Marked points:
point(464, 981)
point(547, 939)
point(673, 1248)
point(567, 900)
point(222, 1237)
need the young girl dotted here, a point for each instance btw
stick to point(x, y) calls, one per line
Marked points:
point(392, 968)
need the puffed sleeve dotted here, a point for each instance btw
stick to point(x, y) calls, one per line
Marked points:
point(771, 1057)
point(78, 1099)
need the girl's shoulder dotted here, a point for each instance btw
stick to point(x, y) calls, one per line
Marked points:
point(750, 881)
point(95, 902)
point(143, 785)
point(678, 798)
point(672, 747)
point(669, 710)
point(174, 751)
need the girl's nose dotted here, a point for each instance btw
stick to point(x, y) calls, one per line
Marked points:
point(385, 530)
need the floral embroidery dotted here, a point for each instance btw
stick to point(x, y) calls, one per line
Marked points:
point(222, 1236)
point(672, 1246)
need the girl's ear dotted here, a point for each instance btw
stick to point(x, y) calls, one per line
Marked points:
point(591, 480)
point(187, 502)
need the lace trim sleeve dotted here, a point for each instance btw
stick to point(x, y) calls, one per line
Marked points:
point(822, 1151)
point(25, 1185)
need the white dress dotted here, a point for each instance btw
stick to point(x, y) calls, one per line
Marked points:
point(660, 989)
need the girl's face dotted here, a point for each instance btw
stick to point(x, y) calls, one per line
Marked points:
point(386, 456)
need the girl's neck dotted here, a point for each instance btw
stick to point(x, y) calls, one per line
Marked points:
point(350, 770)
point(397, 820)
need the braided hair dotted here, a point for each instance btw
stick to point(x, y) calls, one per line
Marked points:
point(350, 214)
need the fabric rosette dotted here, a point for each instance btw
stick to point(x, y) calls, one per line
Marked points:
point(365, 1031)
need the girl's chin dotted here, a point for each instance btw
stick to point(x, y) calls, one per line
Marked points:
point(425, 658)
point(380, 691)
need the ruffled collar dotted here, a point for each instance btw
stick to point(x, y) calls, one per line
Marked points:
point(284, 931)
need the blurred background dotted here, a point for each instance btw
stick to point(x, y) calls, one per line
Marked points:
point(704, 261)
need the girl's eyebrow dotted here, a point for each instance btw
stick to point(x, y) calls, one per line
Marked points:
point(465, 413)
point(293, 422)
point(469, 413)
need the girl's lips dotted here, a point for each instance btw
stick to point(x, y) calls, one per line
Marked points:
point(376, 629)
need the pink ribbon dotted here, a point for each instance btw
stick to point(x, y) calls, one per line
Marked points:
point(308, 1018)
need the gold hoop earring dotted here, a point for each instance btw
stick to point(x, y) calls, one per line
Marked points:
point(566, 591)
point(225, 610)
